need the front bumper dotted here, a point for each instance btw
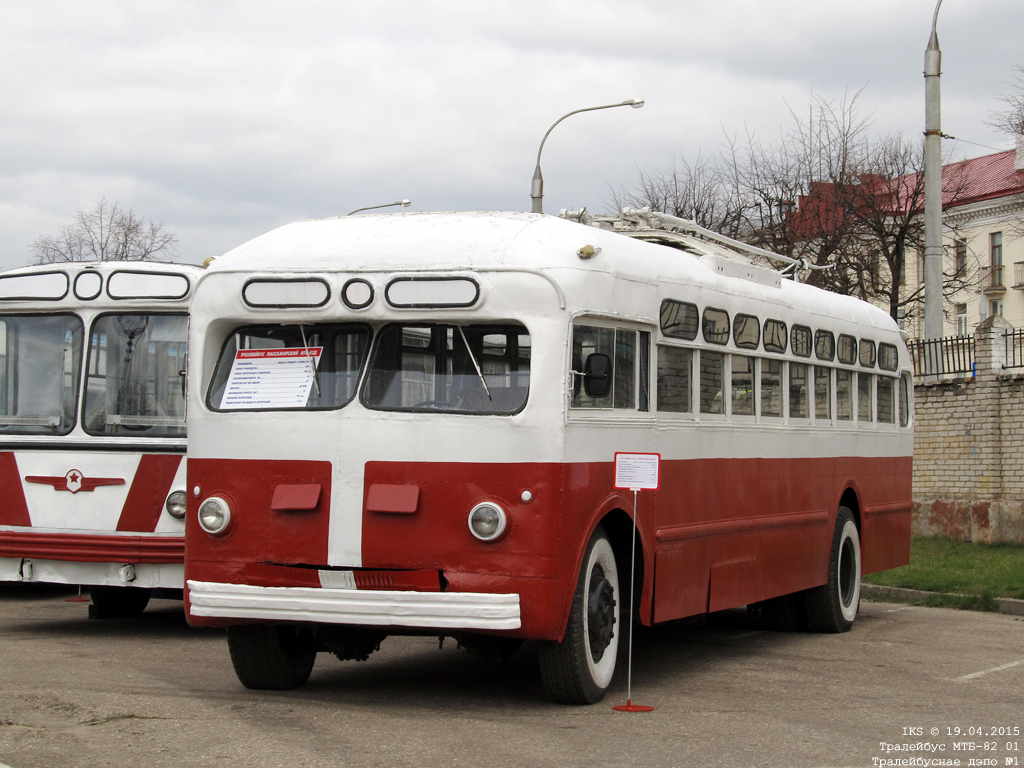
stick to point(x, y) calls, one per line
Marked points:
point(427, 610)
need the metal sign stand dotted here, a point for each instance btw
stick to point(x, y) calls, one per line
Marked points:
point(635, 471)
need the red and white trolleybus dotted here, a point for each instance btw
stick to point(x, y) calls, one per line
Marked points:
point(92, 428)
point(407, 424)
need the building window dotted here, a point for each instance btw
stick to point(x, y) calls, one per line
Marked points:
point(995, 307)
point(961, 319)
point(960, 263)
point(995, 243)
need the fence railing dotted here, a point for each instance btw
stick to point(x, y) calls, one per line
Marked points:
point(1014, 340)
point(948, 356)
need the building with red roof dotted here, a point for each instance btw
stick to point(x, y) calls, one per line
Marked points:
point(983, 233)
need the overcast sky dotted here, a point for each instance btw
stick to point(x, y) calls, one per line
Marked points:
point(223, 120)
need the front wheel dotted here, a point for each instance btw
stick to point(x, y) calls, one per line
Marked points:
point(579, 669)
point(271, 657)
point(833, 606)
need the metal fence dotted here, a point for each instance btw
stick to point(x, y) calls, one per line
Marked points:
point(948, 356)
point(1014, 348)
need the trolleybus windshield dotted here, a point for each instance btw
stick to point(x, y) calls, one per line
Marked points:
point(482, 369)
point(135, 376)
point(40, 359)
point(270, 367)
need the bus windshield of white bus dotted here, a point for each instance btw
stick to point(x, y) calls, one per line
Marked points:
point(135, 376)
point(482, 369)
point(40, 359)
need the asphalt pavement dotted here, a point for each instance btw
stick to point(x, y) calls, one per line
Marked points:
point(153, 692)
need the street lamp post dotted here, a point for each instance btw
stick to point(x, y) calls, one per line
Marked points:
point(933, 186)
point(537, 187)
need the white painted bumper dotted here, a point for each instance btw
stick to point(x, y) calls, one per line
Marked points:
point(166, 575)
point(440, 610)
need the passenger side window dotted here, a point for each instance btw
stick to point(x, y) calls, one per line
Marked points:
point(743, 385)
point(798, 395)
point(844, 395)
point(712, 373)
point(675, 376)
point(822, 393)
point(864, 411)
point(886, 392)
point(771, 387)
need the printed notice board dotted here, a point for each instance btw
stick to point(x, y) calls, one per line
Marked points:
point(270, 378)
point(637, 471)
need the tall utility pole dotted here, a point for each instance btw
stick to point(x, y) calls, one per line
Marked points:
point(933, 186)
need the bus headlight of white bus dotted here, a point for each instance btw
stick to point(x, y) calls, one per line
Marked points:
point(175, 505)
point(487, 521)
point(214, 516)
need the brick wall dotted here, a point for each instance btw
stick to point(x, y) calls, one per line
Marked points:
point(969, 448)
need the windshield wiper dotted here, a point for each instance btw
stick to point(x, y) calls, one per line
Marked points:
point(476, 365)
point(312, 362)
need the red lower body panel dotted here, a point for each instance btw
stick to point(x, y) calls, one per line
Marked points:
point(718, 533)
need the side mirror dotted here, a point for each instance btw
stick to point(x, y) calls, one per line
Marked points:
point(597, 375)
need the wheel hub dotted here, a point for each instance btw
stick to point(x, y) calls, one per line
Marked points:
point(600, 614)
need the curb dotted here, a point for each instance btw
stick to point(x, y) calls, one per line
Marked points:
point(1007, 605)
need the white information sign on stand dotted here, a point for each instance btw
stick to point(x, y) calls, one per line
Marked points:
point(637, 471)
point(270, 378)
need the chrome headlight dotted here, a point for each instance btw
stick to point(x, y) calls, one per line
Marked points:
point(175, 505)
point(214, 516)
point(487, 521)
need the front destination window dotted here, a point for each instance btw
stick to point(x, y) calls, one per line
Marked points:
point(40, 360)
point(451, 368)
point(135, 376)
point(276, 367)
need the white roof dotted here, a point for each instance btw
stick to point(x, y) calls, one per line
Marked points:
point(464, 241)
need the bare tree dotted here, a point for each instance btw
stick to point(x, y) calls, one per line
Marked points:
point(701, 191)
point(1011, 119)
point(886, 202)
point(826, 191)
point(107, 232)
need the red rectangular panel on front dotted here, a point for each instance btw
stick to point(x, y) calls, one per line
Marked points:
point(401, 499)
point(288, 498)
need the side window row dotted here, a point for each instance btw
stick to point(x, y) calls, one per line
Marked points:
point(610, 369)
point(773, 388)
point(682, 320)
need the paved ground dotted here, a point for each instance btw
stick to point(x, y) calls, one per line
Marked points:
point(152, 692)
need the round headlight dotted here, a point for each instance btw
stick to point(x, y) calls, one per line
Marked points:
point(487, 521)
point(214, 515)
point(175, 505)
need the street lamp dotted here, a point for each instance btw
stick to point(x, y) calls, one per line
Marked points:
point(537, 187)
point(932, 186)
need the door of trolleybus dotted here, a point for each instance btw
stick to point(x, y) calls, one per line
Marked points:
point(92, 428)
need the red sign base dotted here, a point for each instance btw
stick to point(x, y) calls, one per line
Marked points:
point(629, 706)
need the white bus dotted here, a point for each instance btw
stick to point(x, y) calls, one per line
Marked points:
point(407, 424)
point(92, 428)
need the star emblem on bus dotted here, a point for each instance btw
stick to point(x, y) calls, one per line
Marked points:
point(74, 481)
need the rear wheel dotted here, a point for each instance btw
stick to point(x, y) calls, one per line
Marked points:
point(579, 669)
point(118, 602)
point(833, 606)
point(270, 656)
